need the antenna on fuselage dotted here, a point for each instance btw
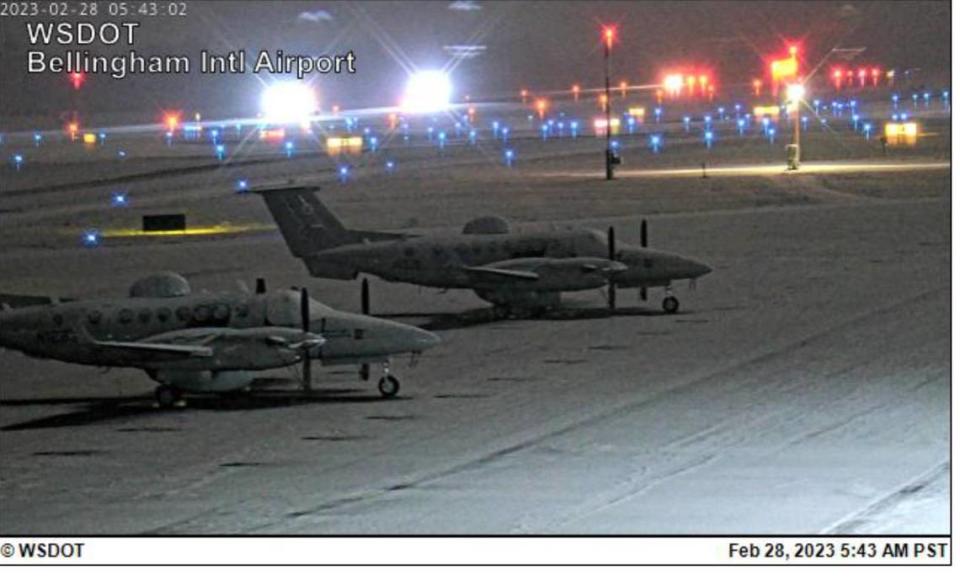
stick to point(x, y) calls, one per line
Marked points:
point(261, 286)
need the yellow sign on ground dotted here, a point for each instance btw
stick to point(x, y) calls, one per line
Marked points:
point(766, 111)
point(340, 145)
point(901, 133)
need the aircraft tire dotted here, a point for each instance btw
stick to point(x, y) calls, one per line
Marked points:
point(167, 396)
point(388, 386)
point(671, 305)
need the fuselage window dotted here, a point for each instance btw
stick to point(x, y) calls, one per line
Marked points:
point(125, 316)
point(221, 312)
point(357, 333)
point(163, 315)
point(94, 316)
point(201, 313)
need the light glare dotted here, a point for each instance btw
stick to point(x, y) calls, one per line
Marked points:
point(288, 102)
point(427, 91)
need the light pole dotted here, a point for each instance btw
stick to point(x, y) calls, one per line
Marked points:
point(795, 94)
point(608, 34)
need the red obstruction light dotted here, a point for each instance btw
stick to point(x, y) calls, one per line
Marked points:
point(77, 79)
point(609, 35)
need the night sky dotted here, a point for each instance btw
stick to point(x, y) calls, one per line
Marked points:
point(540, 45)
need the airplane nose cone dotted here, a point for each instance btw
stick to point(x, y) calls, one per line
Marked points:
point(425, 339)
point(701, 269)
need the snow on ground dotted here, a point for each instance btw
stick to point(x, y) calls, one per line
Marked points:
point(803, 387)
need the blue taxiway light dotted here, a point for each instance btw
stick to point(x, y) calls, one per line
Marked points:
point(241, 186)
point(91, 238)
point(119, 199)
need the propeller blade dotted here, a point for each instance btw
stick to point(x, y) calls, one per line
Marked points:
point(305, 325)
point(643, 234)
point(307, 371)
point(261, 286)
point(612, 254)
point(304, 310)
point(365, 297)
point(611, 244)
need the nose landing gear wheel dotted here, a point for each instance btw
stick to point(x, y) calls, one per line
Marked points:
point(388, 386)
point(671, 305)
point(168, 396)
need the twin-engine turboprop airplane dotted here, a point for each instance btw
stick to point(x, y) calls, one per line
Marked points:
point(516, 272)
point(208, 342)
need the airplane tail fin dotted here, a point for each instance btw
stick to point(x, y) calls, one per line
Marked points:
point(306, 224)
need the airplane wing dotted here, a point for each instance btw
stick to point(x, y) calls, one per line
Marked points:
point(199, 349)
point(158, 348)
point(501, 273)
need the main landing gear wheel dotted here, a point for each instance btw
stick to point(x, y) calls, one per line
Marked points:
point(671, 305)
point(388, 386)
point(168, 396)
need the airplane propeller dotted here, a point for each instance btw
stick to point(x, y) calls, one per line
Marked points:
point(612, 255)
point(365, 310)
point(365, 298)
point(305, 325)
point(643, 244)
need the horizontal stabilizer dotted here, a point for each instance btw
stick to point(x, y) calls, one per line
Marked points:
point(21, 300)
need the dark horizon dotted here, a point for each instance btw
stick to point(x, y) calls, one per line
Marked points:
point(539, 45)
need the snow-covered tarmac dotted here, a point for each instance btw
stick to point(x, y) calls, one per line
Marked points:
point(803, 388)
